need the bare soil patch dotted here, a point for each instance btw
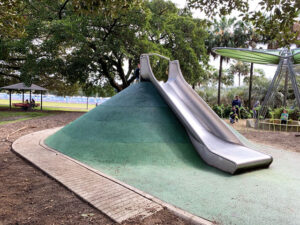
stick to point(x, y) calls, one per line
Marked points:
point(28, 196)
point(10, 118)
point(281, 140)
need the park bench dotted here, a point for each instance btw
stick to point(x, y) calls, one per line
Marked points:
point(25, 106)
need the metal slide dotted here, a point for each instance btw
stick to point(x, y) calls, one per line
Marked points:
point(215, 142)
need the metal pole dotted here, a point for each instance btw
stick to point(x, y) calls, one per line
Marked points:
point(294, 81)
point(9, 99)
point(41, 100)
point(269, 92)
point(250, 85)
point(219, 81)
point(275, 87)
point(286, 87)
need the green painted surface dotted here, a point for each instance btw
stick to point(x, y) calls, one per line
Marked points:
point(135, 138)
point(257, 56)
point(296, 56)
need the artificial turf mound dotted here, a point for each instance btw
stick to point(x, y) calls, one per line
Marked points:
point(135, 137)
point(135, 126)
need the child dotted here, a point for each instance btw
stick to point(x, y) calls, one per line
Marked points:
point(233, 115)
point(284, 117)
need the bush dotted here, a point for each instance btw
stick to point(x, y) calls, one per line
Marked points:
point(224, 111)
point(277, 113)
point(244, 113)
point(218, 109)
point(294, 114)
point(269, 113)
point(227, 111)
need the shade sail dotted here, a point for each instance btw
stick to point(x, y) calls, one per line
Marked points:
point(296, 56)
point(252, 56)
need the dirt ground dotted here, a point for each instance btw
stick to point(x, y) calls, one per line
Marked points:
point(28, 196)
point(281, 140)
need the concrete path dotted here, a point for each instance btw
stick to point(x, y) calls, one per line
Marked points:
point(111, 198)
point(117, 200)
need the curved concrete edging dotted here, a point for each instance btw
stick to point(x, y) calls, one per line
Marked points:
point(41, 145)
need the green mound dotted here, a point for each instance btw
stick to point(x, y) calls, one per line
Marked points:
point(135, 126)
point(135, 137)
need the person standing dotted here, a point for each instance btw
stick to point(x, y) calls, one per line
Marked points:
point(237, 104)
point(233, 115)
point(284, 117)
point(136, 73)
point(255, 108)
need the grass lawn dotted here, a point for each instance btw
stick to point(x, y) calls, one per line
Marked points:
point(57, 106)
point(11, 117)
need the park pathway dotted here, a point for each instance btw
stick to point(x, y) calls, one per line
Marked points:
point(116, 201)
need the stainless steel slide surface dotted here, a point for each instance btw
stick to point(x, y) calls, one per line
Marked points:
point(215, 142)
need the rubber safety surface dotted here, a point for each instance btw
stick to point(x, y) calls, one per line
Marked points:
point(136, 138)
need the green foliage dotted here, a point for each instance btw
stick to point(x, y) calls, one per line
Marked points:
point(218, 109)
point(227, 79)
point(224, 111)
point(16, 14)
point(227, 111)
point(244, 113)
point(209, 95)
point(294, 114)
point(273, 19)
point(12, 18)
point(90, 43)
point(240, 69)
point(227, 32)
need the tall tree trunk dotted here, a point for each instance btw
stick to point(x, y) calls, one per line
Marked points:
point(219, 83)
point(285, 87)
point(239, 79)
point(250, 85)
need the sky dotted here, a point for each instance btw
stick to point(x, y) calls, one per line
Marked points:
point(269, 70)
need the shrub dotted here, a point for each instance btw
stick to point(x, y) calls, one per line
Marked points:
point(227, 110)
point(277, 112)
point(218, 109)
point(244, 113)
point(224, 111)
point(294, 114)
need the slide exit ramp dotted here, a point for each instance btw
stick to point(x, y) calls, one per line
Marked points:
point(217, 145)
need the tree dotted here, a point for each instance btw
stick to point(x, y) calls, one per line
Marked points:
point(259, 83)
point(274, 19)
point(222, 34)
point(15, 14)
point(12, 18)
point(28, 51)
point(213, 78)
point(94, 48)
point(181, 37)
point(240, 69)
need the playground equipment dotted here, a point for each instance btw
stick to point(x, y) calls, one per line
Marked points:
point(213, 139)
point(286, 60)
point(274, 125)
